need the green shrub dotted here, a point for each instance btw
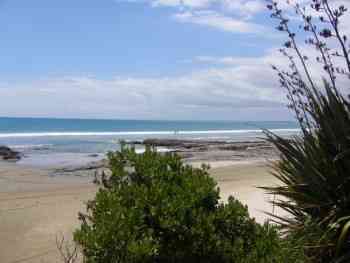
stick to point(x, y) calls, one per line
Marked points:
point(153, 208)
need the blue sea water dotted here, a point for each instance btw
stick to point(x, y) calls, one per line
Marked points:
point(61, 142)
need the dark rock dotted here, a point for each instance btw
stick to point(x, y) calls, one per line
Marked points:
point(185, 155)
point(134, 142)
point(177, 143)
point(93, 155)
point(41, 148)
point(233, 147)
point(164, 142)
point(216, 150)
point(7, 153)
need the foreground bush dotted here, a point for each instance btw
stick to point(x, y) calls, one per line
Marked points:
point(315, 167)
point(315, 171)
point(153, 208)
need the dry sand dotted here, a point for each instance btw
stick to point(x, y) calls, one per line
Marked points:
point(36, 208)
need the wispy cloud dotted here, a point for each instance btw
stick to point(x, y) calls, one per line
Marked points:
point(216, 20)
point(183, 3)
point(233, 88)
point(227, 61)
point(243, 7)
point(214, 93)
point(235, 16)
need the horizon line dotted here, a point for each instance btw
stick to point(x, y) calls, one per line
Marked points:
point(131, 119)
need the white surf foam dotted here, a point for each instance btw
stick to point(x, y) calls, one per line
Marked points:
point(29, 146)
point(126, 133)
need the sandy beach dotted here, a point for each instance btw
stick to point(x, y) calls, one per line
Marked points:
point(35, 208)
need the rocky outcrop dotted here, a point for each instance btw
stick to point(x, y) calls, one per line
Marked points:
point(181, 143)
point(165, 142)
point(191, 151)
point(7, 153)
point(204, 145)
point(214, 150)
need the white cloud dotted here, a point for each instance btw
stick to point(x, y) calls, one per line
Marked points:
point(234, 88)
point(214, 93)
point(237, 16)
point(244, 7)
point(252, 65)
point(226, 15)
point(183, 3)
point(228, 61)
point(216, 20)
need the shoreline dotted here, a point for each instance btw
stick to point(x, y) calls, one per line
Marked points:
point(143, 132)
point(193, 151)
point(38, 204)
point(35, 207)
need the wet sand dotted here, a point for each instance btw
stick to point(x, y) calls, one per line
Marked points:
point(36, 208)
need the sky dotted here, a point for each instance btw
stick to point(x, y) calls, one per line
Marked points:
point(140, 59)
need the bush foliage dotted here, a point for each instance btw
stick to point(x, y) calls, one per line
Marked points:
point(153, 208)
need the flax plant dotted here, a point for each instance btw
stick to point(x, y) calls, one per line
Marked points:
point(314, 168)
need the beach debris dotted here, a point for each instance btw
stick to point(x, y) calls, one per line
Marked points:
point(90, 166)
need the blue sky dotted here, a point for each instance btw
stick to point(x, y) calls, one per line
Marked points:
point(143, 59)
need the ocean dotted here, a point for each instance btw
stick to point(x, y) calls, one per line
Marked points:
point(62, 142)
